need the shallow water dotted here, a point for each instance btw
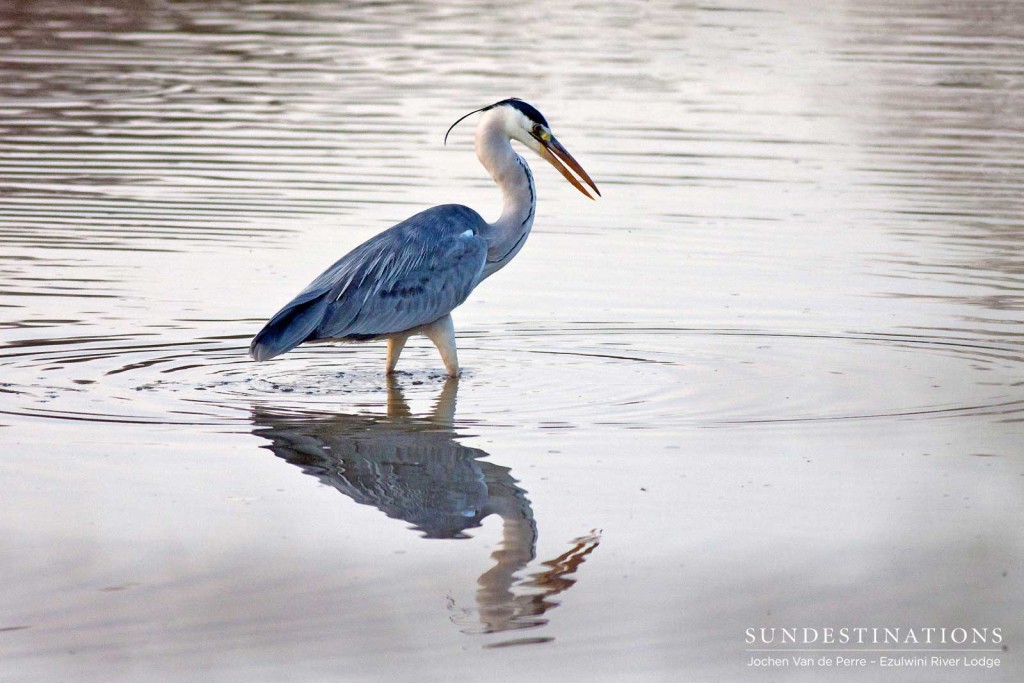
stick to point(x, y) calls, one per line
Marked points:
point(772, 378)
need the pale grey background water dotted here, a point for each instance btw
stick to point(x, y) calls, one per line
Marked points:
point(772, 378)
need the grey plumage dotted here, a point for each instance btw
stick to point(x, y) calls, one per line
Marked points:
point(407, 276)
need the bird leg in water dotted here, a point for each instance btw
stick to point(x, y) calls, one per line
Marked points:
point(395, 346)
point(442, 333)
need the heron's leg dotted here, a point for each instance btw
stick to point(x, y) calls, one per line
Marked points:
point(395, 346)
point(442, 333)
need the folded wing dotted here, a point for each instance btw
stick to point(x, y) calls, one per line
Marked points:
point(407, 276)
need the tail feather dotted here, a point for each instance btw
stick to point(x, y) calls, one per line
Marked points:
point(290, 327)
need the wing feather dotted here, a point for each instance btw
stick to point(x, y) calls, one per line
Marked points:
point(407, 276)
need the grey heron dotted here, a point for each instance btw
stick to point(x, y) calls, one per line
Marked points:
point(408, 279)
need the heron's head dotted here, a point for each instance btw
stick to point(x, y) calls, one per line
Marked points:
point(523, 122)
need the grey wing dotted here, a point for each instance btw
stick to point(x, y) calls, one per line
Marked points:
point(407, 276)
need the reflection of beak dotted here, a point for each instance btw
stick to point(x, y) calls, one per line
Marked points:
point(559, 157)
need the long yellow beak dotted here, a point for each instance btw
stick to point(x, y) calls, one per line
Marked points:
point(558, 156)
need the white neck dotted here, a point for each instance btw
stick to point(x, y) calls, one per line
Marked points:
point(506, 236)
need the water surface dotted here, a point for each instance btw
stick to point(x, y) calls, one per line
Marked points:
point(771, 378)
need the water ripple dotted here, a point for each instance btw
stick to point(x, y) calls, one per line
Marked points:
point(545, 377)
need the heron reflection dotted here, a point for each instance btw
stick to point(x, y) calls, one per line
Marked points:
point(414, 469)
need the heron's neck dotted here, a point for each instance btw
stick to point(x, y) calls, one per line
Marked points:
point(506, 236)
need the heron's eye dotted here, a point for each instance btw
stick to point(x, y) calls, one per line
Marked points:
point(538, 131)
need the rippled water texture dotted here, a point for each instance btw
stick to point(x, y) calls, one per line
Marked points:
point(774, 377)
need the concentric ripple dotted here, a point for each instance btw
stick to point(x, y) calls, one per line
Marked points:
point(540, 376)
